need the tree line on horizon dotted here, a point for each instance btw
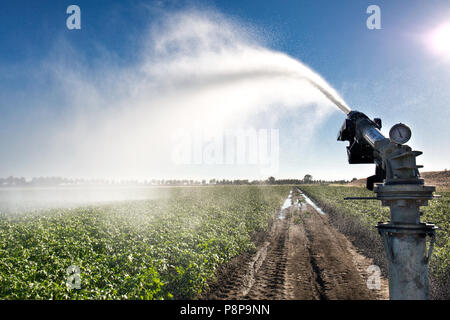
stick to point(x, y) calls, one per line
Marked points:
point(60, 181)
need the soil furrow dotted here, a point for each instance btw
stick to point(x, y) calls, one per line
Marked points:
point(302, 257)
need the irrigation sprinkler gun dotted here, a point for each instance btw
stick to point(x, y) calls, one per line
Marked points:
point(399, 186)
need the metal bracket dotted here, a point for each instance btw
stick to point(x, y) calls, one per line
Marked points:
point(430, 249)
point(386, 229)
point(386, 242)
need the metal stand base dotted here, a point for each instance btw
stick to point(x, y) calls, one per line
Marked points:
point(407, 256)
point(405, 239)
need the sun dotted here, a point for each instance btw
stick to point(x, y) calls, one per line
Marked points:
point(440, 39)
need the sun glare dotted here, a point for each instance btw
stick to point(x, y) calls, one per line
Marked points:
point(440, 40)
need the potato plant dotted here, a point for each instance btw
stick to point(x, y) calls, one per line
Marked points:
point(148, 249)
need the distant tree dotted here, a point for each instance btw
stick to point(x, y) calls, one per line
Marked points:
point(354, 179)
point(271, 180)
point(308, 178)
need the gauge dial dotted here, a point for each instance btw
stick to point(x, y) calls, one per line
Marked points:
point(400, 133)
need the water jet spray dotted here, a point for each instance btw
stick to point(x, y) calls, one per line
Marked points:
point(401, 188)
point(341, 105)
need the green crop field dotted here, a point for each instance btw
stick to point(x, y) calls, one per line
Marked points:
point(149, 249)
point(371, 212)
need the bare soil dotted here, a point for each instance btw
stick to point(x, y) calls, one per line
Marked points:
point(440, 179)
point(301, 257)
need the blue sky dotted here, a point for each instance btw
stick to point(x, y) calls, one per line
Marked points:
point(390, 73)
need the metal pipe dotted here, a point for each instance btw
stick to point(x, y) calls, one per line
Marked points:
point(402, 190)
point(405, 248)
point(372, 135)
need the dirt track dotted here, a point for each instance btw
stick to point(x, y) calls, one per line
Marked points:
point(302, 257)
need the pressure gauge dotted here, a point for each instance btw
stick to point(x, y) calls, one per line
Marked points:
point(400, 133)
